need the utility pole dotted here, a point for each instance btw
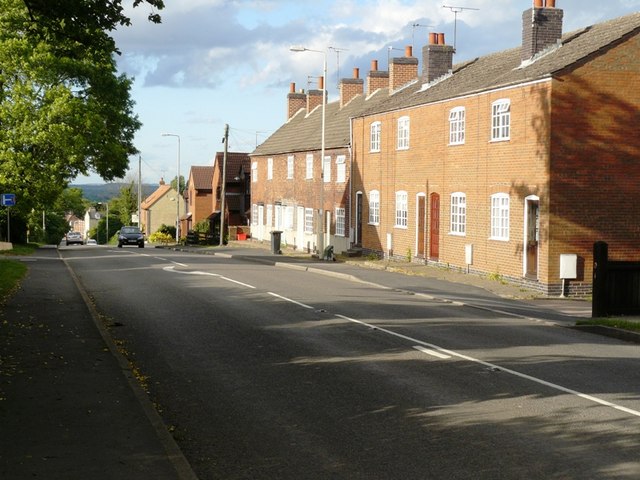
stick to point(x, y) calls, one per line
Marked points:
point(224, 181)
point(140, 190)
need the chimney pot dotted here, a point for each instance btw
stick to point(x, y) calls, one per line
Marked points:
point(551, 3)
point(292, 87)
point(433, 38)
point(374, 65)
point(441, 39)
point(320, 83)
point(356, 72)
point(408, 51)
point(538, 3)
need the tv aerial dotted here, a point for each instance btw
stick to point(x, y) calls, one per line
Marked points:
point(456, 11)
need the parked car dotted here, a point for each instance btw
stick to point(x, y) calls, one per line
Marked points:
point(130, 236)
point(92, 241)
point(74, 238)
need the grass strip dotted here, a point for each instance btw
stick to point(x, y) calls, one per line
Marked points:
point(631, 325)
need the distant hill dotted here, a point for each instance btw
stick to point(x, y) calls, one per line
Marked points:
point(102, 192)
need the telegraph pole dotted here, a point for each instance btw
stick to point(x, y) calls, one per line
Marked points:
point(224, 181)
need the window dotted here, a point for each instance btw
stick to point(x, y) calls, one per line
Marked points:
point(269, 216)
point(458, 214)
point(309, 166)
point(403, 133)
point(456, 126)
point(341, 169)
point(326, 169)
point(401, 209)
point(254, 172)
point(500, 119)
point(290, 167)
point(308, 220)
point(278, 223)
point(374, 207)
point(254, 214)
point(269, 168)
point(374, 144)
point(340, 217)
point(500, 216)
point(288, 217)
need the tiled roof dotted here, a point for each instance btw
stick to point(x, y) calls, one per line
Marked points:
point(505, 68)
point(304, 132)
point(202, 178)
point(160, 192)
point(235, 161)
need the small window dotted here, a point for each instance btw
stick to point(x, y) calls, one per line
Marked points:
point(456, 126)
point(326, 169)
point(308, 220)
point(288, 217)
point(269, 216)
point(269, 168)
point(374, 207)
point(403, 133)
point(500, 216)
point(341, 169)
point(254, 172)
point(458, 214)
point(290, 159)
point(402, 209)
point(309, 166)
point(374, 144)
point(501, 120)
point(340, 221)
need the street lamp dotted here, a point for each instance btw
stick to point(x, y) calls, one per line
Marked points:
point(298, 48)
point(177, 187)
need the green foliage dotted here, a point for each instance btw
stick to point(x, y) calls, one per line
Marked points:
point(125, 203)
point(54, 229)
point(169, 230)
point(632, 325)
point(182, 184)
point(71, 200)
point(409, 256)
point(11, 272)
point(161, 237)
point(203, 226)
point(64, 110)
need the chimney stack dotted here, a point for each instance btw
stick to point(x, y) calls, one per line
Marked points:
point(437, 58)
point(351, 87)
point(376, 79)
point(403, 70)
point(541, 28)
point(295, 101)
point(314, 97)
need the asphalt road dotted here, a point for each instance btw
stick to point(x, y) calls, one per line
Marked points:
point(265, 372)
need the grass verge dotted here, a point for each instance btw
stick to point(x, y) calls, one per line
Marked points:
point(631, 325)
point(11, 272)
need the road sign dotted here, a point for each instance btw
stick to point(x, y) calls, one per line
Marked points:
point(8, 199)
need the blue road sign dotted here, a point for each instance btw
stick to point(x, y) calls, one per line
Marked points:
point(8, 199)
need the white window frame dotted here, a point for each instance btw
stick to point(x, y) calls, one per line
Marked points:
point(269, 168)
point(326, 169)
point(501, 120)
point(309, 163)
point(308, 220)
point(374, 207)
point(457, 126)
point(289, 217)
point(458, 209)
point(269, 222)
point(402, 209)
point(374, 139)
point(341, 169)
point(340, 221)
point(254, 172)
point(278, 217)
point(403, 133)
point(290, 164)
point(500, 210)
point(254, 214)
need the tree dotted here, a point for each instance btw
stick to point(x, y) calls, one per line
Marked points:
point(174, 184)
point(64, 110)
point(71, 200)
point(125, 204)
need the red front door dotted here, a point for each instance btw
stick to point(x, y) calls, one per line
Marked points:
point(434, 228)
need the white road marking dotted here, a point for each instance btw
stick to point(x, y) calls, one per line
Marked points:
point(444, 351)
point(433, 353)
point(196, 272)
point(289, 300)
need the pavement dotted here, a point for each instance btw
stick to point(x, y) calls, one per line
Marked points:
point(71, 406)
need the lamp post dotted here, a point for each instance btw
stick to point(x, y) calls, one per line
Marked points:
point(324, 104)
point(177, 187)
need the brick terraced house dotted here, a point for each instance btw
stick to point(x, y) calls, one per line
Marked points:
point(504, 163)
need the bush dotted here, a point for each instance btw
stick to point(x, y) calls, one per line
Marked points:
point(161, 237)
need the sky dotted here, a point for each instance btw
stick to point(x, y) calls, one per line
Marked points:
point(212, 63)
